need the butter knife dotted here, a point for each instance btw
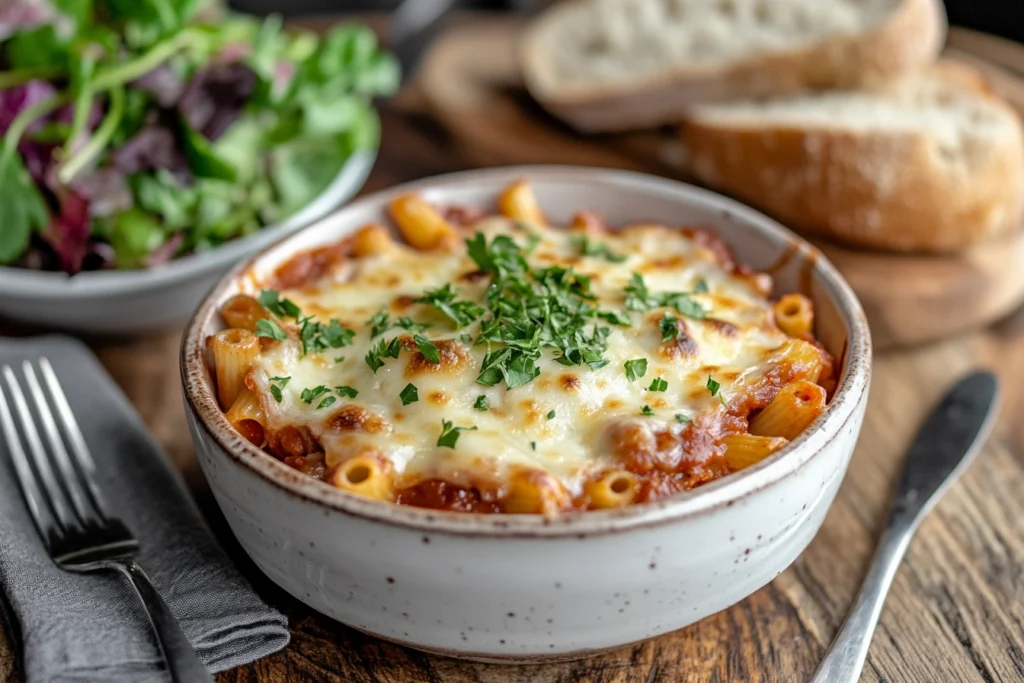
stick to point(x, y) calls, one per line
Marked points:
point(941, 451)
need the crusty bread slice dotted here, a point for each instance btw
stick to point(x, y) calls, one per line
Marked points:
point(932, 163)
point(604, 65)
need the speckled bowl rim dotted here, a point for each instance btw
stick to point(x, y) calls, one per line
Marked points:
point(850, 393)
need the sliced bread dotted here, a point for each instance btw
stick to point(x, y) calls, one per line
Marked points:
point(604, 65)
point(932, 163)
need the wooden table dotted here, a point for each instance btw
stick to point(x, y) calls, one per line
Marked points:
point(956, 612)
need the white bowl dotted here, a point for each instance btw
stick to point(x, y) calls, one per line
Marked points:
point(525, 587)
point(132, 301)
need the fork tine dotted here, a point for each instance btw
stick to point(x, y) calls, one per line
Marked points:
point(69, 477)
point(79, 448)
point(26, 478)
point(37, 454)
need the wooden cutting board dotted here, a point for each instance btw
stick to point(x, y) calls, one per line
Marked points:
point(470, 80)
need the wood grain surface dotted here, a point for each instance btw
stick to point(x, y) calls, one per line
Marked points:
point(956, 613)
point(471, 81)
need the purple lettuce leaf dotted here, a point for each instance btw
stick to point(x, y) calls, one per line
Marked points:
point(214, 97)
point(20, 97)
point(163, 85)
point(106, 190)
point(20, 15)
point(151, 149)
point(68, 232)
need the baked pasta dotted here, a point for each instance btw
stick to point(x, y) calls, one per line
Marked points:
point(501, 364)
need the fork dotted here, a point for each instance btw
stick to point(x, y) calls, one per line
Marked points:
point(69, 510)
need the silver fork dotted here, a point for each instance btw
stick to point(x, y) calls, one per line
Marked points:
point(57, 481)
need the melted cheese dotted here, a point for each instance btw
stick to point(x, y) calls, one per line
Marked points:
point(733, 345)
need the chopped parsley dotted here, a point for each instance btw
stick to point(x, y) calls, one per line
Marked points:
point(589, 247)
point(669, 327)
point(381, 350)
point(450, 434)
point(533, 445)
point(615, 318)
point(309, 395)
point(276, 385)
point(646, 410)
point(700, 287)
point(339, 359)
point(681, 419)
point(329, 400)
point(317, 337)
point(445, 298)
point(409, 395)
point(482, 404)
point(270, 329)
point(380, 323)
point(635, 369)
point(428, 349)
point(282, 308)
point(716, 390)
point(346, 391)
point(658, 384)
point(551, 415)
point(640, 298)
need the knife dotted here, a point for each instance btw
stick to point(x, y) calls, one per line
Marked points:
point(943, 448)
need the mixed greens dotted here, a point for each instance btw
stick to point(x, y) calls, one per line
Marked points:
point(136, 131)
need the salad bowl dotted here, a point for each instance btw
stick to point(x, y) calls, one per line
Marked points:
point(534, 587)
point(134, 301)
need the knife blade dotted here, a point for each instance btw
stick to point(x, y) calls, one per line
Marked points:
point(946, 443)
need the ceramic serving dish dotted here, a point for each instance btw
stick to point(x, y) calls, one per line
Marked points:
point(131, 301)
point(526, 588)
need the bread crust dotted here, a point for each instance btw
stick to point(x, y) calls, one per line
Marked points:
point(910, 39)
point(883, 190)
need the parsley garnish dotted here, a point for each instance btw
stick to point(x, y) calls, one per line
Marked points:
point(701, 286)
point(380, 323)
point(317, 337)
point(646, 410)
point(681, 419)
point(635, 369)
point(310, 395)
point(482, 404)
point(428, 349)
point(658, 384)
point(551, 415)
point(639, 298)
point(282, 308)
point(326, 402)
point(409, 395)
point(346, 391)
point(382, 349)
point(533, 445)
point(444, 298)
point(270, 329)
point(669, 327)
point(339, 359)
point(615, 318)
point(715, 389)
point(450, 435)
point(590, 248)
point(276, 385)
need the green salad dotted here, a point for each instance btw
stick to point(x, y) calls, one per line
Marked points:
point(138, 131)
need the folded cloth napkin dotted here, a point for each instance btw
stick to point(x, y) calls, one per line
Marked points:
point(89, 628)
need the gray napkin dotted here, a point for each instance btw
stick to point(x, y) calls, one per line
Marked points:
point(89, 628)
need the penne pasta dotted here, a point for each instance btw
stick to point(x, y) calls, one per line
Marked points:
point(804, 359)
point(792, 410)
point(364, 475)
point(243, 312)
point(533, 491)
point(421, 224)
point(234, 352)
point(794, 315)
point(744, 450)
point(518, 202)
point(372, 239)
point(613, 489)
point(246, 415)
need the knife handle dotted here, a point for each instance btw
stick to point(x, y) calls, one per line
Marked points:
point(849, 650)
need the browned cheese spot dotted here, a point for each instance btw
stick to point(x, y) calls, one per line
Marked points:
point(355, 418)
point(570, 383)
point(452, 356)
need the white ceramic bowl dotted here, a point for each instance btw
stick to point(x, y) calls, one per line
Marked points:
point(525, 587)
point(131, 301)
